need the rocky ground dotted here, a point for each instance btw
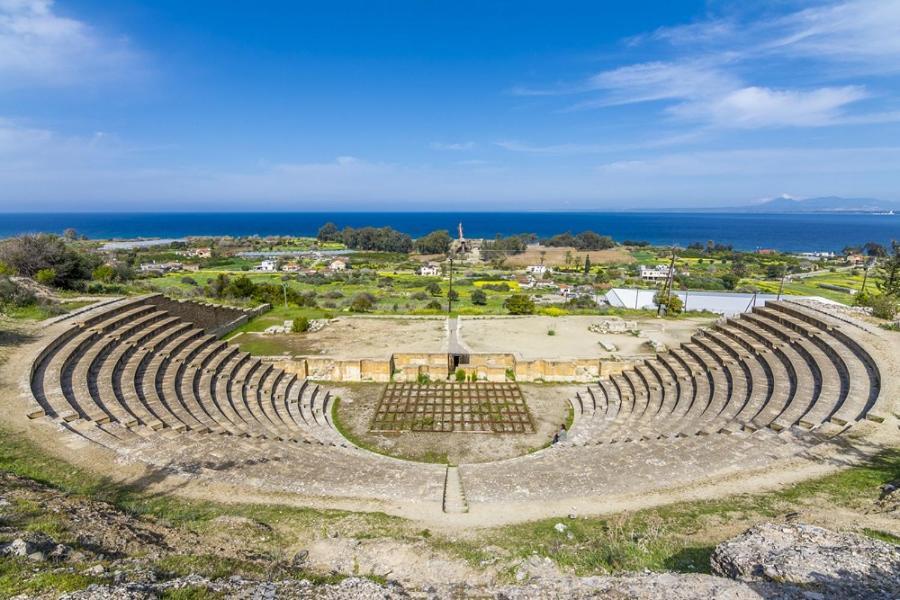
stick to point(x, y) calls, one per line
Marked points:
point(100, 552)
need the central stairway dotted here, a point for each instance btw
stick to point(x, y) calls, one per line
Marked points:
point(454, 495)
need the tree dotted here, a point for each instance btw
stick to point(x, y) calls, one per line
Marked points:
point(28, 254)
point(519, 304)
point(433, 288)
point(889, 272)
point(671, 305)
point(104, 273)
point(328, 233)
point(436, 242)
point(730, 281)
point(587, 264)
point(70, 234)
point(775, 271)
point(241, 287)
point(362, 302)
point(453, 295)
point(479, 297)
point(875, 250)
point(588, 240)
point(434, 305)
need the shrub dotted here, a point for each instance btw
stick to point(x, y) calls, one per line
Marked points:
point(460, 375)
point(301, 325)
point(551, 332)
point(433, 305)
point(479, 297)
point(453, 295)
point(362, 302)
point(423, 379)
point(45, 276)
point(433, 288)
point(188, 280)
point(884, 307)
point(519, 304)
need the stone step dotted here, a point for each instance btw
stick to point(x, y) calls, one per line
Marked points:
point(454, 495)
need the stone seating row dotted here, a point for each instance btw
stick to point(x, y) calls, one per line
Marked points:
point(135, 369)
point(777, 367)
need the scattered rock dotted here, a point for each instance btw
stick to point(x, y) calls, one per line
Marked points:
point(560, 527)
point(837, 565)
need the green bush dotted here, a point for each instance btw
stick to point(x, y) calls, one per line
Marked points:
point(301, 325)
point(519, 304)
point(460, 375)
point(884, 307)
point(45, 276)
point(479, 297)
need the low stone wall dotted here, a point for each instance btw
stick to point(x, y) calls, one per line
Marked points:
point(406, 367)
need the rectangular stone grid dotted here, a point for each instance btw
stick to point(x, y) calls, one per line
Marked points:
point(480, 407)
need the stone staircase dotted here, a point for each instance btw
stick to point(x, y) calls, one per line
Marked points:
point(454, 494)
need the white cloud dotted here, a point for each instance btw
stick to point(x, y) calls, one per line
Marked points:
point(40, 47)
point(651, 81)
point(753, 107)
point(716, 71)
point(455, 146)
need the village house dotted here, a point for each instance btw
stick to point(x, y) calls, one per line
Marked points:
point(198, 252)
point(857, 260)
point(657, 273)
point(537, 270)
point(163, 267)
point(430, 269)
point(525, 281)
point(267, 266)
point(337, 265)
point(291, 267)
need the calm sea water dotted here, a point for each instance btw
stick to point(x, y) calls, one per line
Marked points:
point(788, 232)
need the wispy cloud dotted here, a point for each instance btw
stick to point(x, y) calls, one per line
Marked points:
point(715, 72)
point(40, 47)
point(454, 146)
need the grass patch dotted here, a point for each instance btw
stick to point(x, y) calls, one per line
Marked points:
point(884, 536)
point(676, 536)
point(19, 576)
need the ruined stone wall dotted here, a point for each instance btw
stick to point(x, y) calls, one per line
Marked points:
point(407, 367)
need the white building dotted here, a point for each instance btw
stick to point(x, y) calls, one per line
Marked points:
point(430, 270)
point(267, 265)
point(657, 273)
point(166, 267)
point(337, 265)
point(538, 270)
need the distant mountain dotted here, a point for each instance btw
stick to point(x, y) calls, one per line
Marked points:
point(784, 204)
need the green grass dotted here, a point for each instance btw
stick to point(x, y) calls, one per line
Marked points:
point(883, 536)
point(21, 576)
point(672, 537)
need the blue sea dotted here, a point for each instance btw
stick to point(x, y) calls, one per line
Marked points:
point(787, 232)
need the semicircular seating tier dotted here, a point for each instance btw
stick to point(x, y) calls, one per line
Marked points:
point(150, 379)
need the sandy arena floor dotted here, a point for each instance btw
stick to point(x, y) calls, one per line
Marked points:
point(368, 337)
point(528, 337)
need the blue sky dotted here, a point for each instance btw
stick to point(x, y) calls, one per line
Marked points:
point(173, 105)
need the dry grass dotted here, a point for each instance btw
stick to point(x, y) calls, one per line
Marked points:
point(555, 257)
